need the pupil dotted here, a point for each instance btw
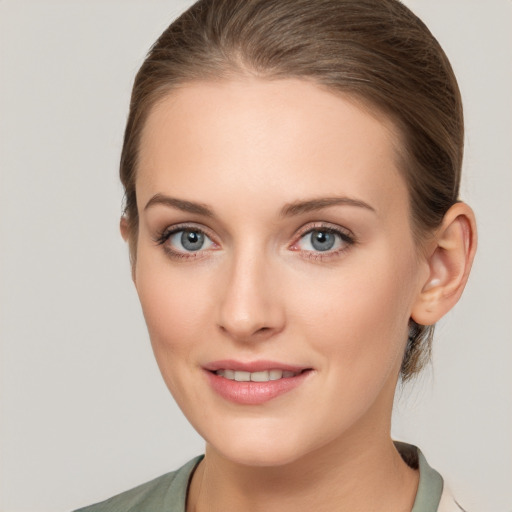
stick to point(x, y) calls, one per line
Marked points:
point(192, 240)
point(322, 240)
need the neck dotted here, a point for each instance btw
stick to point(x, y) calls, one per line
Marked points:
point(355, 475)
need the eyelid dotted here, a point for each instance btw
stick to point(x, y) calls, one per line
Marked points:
point(327, 226)
point(163, 236)
point(344, 233)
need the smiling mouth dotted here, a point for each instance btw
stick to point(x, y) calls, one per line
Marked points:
point(254, 383)
point(262, 376)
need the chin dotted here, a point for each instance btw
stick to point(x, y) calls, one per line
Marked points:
point(264, 445)
point(260, 456)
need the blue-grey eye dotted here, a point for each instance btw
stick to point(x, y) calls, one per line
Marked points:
point(321, 240)
point(189, 240)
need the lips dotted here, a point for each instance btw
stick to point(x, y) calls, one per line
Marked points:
point(263, 376)
point(254, 383)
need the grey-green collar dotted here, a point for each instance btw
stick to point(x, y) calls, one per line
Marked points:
point(429, 492)
point(430, 486)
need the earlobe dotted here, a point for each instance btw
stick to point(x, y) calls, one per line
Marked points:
point(125, 233)
point(123, 227)
point(450, 256)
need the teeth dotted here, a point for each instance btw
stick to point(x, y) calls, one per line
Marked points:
point(242, 376)
point(275, 374)
point(229, 374)
point(264, 376)
point(260, 376)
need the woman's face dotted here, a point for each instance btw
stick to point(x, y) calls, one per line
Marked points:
point(275, 265)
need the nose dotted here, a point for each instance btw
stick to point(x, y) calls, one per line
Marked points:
point(251, 308)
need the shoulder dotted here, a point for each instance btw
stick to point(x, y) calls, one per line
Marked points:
point(167, 492)
point(448, 502)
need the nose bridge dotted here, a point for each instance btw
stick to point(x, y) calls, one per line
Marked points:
point(250, 307)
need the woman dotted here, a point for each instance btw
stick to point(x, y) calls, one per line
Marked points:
point(291, 170)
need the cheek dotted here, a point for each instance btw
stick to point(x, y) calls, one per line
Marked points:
point(175, 309)
point(359, 314)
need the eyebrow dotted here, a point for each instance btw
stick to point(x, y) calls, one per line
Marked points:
point(289, 210)
point(179, 204)
point(300, 207)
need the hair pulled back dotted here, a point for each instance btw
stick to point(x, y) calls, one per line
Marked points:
point(377, 51)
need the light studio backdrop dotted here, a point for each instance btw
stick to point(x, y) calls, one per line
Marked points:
point(84, 411)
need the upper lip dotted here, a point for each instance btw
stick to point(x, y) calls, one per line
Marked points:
point(252, 366)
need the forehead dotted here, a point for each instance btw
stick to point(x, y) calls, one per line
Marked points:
point(261, 135)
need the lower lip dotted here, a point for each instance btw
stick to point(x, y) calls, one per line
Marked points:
point(254, 393)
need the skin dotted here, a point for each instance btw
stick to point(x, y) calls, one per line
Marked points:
point(248, 149)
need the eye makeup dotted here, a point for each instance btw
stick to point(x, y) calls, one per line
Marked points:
point(193, 240)
point(316, 241)
point(326, 240)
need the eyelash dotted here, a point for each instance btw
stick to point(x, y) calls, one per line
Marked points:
point(346, 237)
point(164, 236)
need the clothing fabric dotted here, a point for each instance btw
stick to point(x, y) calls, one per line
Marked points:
point(168, 493)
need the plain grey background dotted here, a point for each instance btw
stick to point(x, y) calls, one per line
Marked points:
point(84, 412)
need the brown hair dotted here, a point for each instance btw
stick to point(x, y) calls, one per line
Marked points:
point(378, 51)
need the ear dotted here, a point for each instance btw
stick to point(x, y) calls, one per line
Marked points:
point(123, 227)
point(125, 233)
point(449, 258)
